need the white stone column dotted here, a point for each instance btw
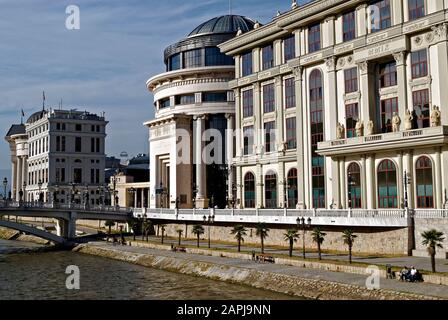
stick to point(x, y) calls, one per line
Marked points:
point(279, 110)
point(363, 182)
point(438, 56)
point(408, 167)
point(259, 190)
point(400, 185)
point(278, 57)
point(370, 182)
point(13, 179)
point(367, 106)
point(258, 122)
point(361, 20)
point(438, 174)
point(238, 126)
point(400, 59)
point(201, 200)
point(342, 183)
point(300, 139)
point(229, 155)
point(239, 187)
point(18, 177)
point(24, 175)
point(281, 185)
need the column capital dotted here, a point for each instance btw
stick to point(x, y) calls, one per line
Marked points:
point(229, 116)
point(363, 66)
point(298, 71)
point(362, 6)
point(331, 63)
point(200, 117)
point(440, 31)
point(400, 57)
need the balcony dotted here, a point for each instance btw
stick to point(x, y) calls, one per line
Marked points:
point(434, 136)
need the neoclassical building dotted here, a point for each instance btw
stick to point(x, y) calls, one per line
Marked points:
point(343, 103)
point(58, 155)
point(190, 98)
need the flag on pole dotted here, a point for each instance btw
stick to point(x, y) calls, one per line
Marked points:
point(23, 113)
point(43, 100)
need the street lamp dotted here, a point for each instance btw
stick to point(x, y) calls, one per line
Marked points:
point(351, 183)
point(24, 191)
point(302, 224)
point(5, 185)
point(39, 184)
point(195, 191)
point(208, 220)
point(133, 191)
point(406, 182)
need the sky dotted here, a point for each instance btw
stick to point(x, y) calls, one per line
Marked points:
point(104, 65)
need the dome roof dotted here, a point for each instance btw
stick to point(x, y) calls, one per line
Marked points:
point(223, 24)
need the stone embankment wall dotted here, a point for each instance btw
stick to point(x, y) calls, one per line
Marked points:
point(8, 234)
point(293, 285)
point(422, 225)
point(369, 240)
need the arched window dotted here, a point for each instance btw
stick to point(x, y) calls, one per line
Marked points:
point(424, 185)
point(317, 135)
point(270, 186)
point(292, 188)
point(249, 190)
point(387, 185)
point(354, 185)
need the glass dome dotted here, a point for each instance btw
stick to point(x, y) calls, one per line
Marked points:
point(223, 24)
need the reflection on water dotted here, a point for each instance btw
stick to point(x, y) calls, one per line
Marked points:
point(42, 276)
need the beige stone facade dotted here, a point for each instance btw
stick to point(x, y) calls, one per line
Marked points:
point(351, 84)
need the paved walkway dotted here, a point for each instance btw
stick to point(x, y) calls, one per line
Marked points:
point(418, 262)
point(347, 278)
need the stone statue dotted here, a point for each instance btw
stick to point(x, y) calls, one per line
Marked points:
point(340, 131)
point(435, 116)
point(408, 120)
point(359, 128)
point(396, 121)
point(370, 128)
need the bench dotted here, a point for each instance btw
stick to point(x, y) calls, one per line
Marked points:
point(265, 258)
point(179, 249)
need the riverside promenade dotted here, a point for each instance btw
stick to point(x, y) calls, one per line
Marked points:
point(318, 277)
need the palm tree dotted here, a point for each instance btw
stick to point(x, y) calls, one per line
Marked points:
point(318, 237)
point(133, 225)
point(262, 231)
point(239, 231)
point(163, 227)
point(349, 239)
point(291, 235)
point(198, 230)
point(110, 224)
point(179, 232)
point(433, 239)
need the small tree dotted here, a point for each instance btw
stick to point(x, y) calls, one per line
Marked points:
point(147, 225)
point(109, 224)
point(179, 232)
point(291, 235)
point(349, 239)
point(262, 231)
point(198, 230)
point(162, 228)
point(239, 231)
point(433, 239)
point(318, 237)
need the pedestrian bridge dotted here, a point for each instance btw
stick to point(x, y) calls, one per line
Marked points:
point(32, 230)
point(323, 217)
point(66, 216)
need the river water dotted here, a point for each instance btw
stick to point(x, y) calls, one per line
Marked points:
point(42, 276)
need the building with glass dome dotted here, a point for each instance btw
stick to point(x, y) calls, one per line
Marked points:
point(191, 97)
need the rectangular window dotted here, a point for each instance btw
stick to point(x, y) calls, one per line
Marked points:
point(381, 15)
point(77, 175)
point(247, 64)
point(349, 26)
point(291, 133)
point(248, 143)
point(193, 58)
point(314, 38)
point(268, 56)
point(164, 103)
point(97, 178)
point(416, 9)
point(388, 74)
point(174, 62)
point(289, 48)
point(62, 174)
point(388, 108)
point(92, 145)
point(351, 116)
point(63, 144)
point(214, 57)
point(92, 175)
point(351, 80)
point(269, 136)
point(185, 99)
point(98, 145)
point(58, 144)
point(419, 63)
point(422, 112)
point(248, 103)
point(214, 96)
point(268, 98)
point(290, 93)
point(78, 127)
point(78, 144)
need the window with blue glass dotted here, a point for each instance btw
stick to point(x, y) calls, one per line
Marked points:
point(269, 136)
point(349, 26)
point(314, 38)
point(214, 96)
point(387, 185)
point(381, 15)
point(416, 9)
point(193, 58)
point(249, 190)
point(246, 64)
point(214, 57)
point(289, 48)
point(185, 99)
point(164, 103)
point(248, 140)
point(248, 103)
point(268, 98)
point(268, 56)
point(174, 62)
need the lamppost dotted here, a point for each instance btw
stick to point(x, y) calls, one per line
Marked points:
point(5, 185)
point(73, 191)
point(208, 220)
point(232, 201)
point(351, 183)
point(24, 191)
point(302, 224)
point(114, 190)
point(195, 191)
point(39, 184)
point(406, 182)
point(285, 195)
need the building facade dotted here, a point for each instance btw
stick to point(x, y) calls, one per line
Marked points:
point(59, 155)
point(191, 98)
point(343, 104)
